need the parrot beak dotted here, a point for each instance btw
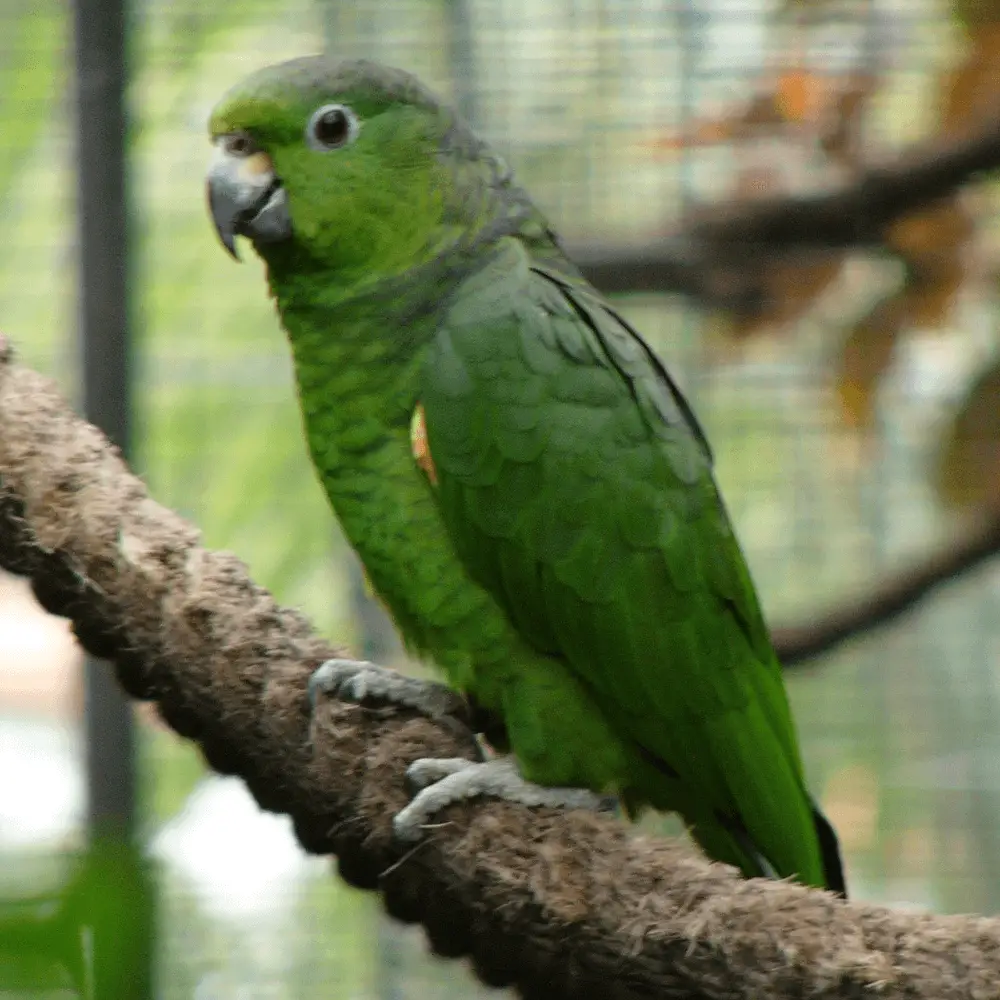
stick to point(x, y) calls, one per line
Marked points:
point(246, 198)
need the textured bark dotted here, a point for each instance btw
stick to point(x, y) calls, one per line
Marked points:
point(722, 254)
point(560, 904)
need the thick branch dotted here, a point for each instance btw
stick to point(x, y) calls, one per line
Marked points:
point(799, 645)
point(560, 904)
point(718, 257)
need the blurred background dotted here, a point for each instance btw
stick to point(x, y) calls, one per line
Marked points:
point(853, 411)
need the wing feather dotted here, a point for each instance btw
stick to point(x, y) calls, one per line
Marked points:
point(577, 487)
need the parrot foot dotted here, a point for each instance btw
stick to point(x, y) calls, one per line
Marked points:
point(439, 783)
point(359, 681)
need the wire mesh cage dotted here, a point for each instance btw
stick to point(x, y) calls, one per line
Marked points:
point(841, 401)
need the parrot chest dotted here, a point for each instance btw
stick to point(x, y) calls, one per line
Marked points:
point(380, 480)
point(359, 394)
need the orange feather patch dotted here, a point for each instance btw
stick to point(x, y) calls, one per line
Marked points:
point(419, 446)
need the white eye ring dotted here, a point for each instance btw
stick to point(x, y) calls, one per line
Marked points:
point(332, 126)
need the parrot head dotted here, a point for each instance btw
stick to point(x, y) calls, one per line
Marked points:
point(349, 165)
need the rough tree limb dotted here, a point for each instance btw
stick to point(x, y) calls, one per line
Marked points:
point(560, 904)
point(718, 256)
point(799, 645)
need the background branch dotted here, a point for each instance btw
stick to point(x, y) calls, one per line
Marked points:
point(718, 255)
point(799, 645)
point(721, 258)
point(560, 904)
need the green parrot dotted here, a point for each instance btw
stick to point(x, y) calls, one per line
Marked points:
point(530, 494)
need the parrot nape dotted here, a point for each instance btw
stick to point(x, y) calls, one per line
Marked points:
point(529, 492)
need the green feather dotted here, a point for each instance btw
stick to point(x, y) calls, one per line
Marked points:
point(570, 563)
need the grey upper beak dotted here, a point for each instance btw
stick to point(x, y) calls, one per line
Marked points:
point(226, 209)
point(246, 199)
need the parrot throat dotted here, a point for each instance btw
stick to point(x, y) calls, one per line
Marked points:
point(359, 357)
point(358, 345)
point(358, 338)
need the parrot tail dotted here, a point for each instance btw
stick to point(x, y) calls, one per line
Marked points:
point(728, 840)
point(829, 847)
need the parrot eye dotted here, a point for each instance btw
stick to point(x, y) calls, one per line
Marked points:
point(332, 126)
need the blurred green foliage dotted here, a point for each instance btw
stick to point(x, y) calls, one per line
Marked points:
point(87, 935)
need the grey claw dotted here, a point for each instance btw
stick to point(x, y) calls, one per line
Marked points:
point(454, 779)
point(428, 770)
point(326, 679)
point(359, 681)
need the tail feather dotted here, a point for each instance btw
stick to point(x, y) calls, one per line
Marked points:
point(728, 840)
point(733, 847)
point(829, 846)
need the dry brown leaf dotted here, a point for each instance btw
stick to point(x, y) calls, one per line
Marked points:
point(790, 291)
point(865, 357)
point(706, 132)
point(736, 125)
point(968, 469)
point(972, 89)
point(843, 118)
point(937, 232)
point(929, 303)
point(801, 95)
point(976, 15)
point(932, 245)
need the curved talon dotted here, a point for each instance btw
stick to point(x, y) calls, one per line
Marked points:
point(429, 770)
point(359, 681)
point(326, 679)
point(454, 779)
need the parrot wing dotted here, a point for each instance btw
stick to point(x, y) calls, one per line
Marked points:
point(577, 488)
